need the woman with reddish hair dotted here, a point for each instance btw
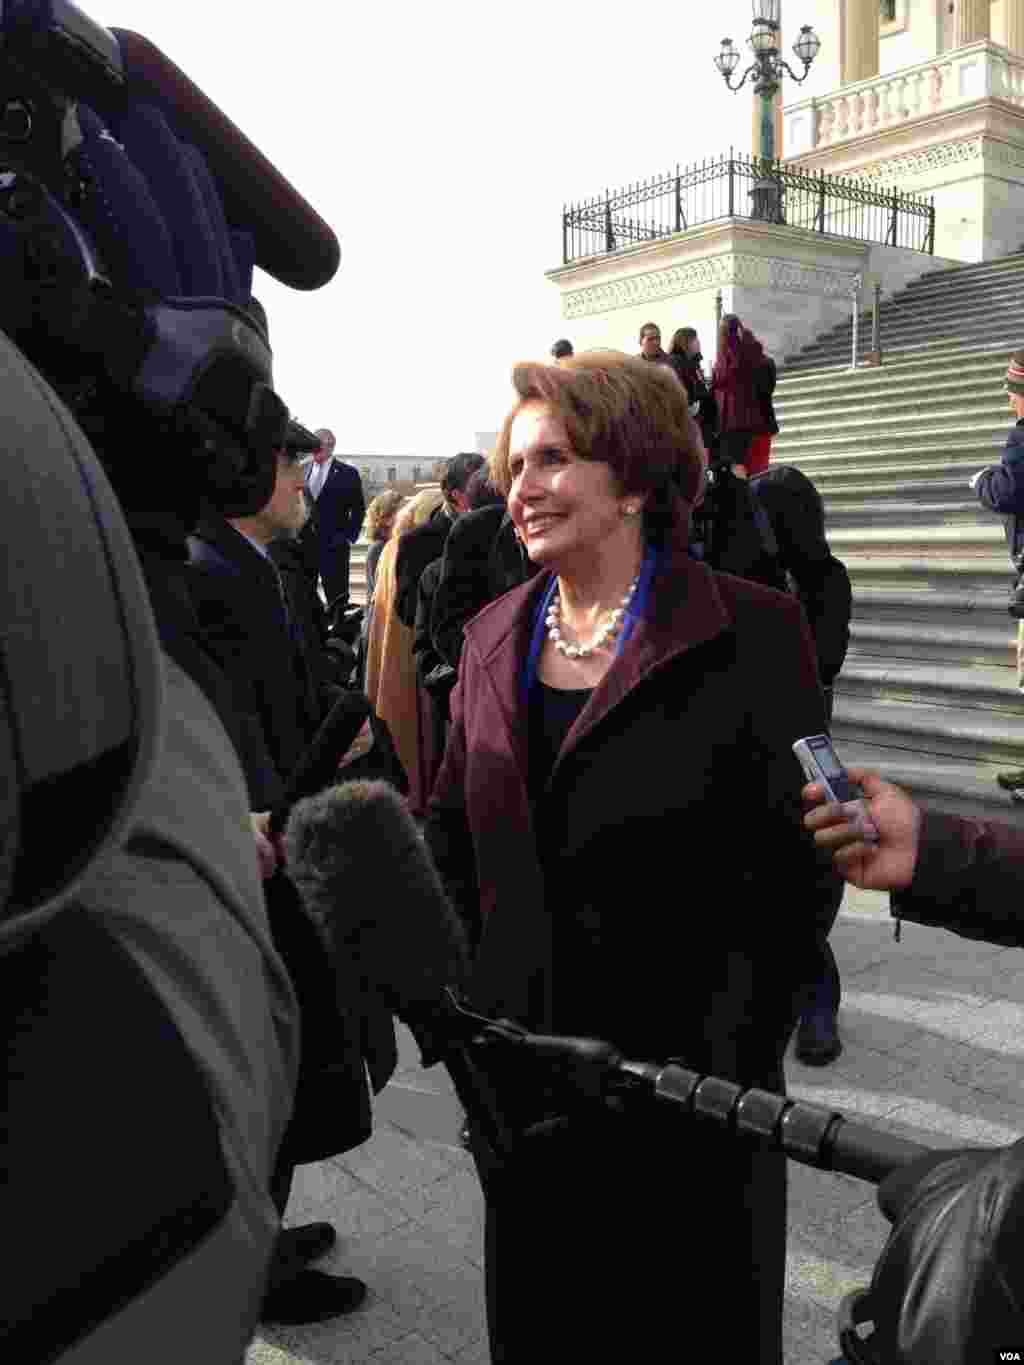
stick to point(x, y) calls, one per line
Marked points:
point(743, 381)
point(618, 819)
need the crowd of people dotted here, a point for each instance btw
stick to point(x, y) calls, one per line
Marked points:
point(215, 901)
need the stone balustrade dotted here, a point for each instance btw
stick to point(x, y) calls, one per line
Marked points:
point(982, 70)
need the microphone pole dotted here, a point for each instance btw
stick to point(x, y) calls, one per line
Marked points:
point(593, 1070)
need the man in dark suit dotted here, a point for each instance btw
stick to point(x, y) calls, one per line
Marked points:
point(337, 490)
point(247, 624)
point(422, 546)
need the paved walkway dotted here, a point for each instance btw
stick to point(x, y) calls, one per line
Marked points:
point(934, 1034)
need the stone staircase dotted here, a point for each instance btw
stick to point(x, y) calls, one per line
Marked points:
point(929, 691)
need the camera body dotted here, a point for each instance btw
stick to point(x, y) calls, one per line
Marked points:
point(132, 213)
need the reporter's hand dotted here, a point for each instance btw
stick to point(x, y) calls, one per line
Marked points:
point(885, 866)
point(265, 850)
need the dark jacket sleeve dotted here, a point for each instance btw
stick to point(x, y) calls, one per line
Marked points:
point(355, 511)
point(465, 585)
point(1001, 487)
point(969, 879)
point(228, 643)
point(426, 656)
point(447, 830)
point(822, 582)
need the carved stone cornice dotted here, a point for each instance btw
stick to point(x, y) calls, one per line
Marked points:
point(730, 268)
point(926, 160)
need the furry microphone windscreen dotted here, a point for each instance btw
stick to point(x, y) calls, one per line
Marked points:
point(367, 879)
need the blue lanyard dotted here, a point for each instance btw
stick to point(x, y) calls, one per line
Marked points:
point(633, 613)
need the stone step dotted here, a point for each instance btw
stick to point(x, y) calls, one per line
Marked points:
point(935, 492)
point(919, 541)
point(930, 683)
point(855, 440)
point(1007, 339)
point(996, 299)
point(898, 325)
point(983, 608)
point(915, 338)
point(967, 359)
point(958, 786)
point(922, 293)
point(896, 393)
point(940, 731)
point(883, 411)
point(920, 642)
point(1002, 267)
point(962, 460)
point(965, 512)
point(978, 578)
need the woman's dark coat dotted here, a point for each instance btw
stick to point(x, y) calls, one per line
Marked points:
point(691, 376)
point(660, 893)
point(740, 386)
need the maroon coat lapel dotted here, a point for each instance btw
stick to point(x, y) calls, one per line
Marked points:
point(684, 609)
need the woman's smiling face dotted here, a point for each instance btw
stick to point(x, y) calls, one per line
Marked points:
point(562, 505)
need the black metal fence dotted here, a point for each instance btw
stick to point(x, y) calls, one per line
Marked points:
point(737, 186)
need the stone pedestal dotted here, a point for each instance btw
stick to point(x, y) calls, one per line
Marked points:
point(951, 127)
point(789, 285)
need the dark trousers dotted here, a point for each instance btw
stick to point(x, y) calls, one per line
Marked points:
point(334, 571)
point(822, 996)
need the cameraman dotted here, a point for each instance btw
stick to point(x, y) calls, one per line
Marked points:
point(152, 1030)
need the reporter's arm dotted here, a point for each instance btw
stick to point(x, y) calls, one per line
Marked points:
point(963, 875)
point(969, 879)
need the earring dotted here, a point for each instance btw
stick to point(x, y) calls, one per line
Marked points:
point(630, 509)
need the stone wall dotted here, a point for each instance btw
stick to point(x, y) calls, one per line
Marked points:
point(788, 284)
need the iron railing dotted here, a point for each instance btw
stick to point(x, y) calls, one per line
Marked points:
point(737, 186)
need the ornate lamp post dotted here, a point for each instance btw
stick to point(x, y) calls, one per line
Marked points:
point(767, 70)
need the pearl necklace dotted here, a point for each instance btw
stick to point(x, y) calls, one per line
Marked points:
point(607, 632)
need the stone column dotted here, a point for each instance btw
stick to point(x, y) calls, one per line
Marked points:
point(860, 40)
point(1013, 14)
point(971, 21)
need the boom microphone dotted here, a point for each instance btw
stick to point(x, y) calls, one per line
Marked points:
point(293, 243)
point(318, 766)
point(366, 878)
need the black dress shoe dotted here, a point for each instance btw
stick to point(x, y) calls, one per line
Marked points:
point(817, 1040)
point(305, 1244)
point(312, 1296)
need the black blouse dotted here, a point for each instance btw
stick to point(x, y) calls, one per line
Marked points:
point(553, 711)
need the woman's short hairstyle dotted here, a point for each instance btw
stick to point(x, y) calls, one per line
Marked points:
point(380, 515)
point(623, 412)
point(681, 338)
point(417, 509)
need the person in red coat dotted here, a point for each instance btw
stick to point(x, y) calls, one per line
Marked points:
point(618, 820)
point(743, 382)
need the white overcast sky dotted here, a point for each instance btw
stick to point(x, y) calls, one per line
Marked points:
point(440, 139)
